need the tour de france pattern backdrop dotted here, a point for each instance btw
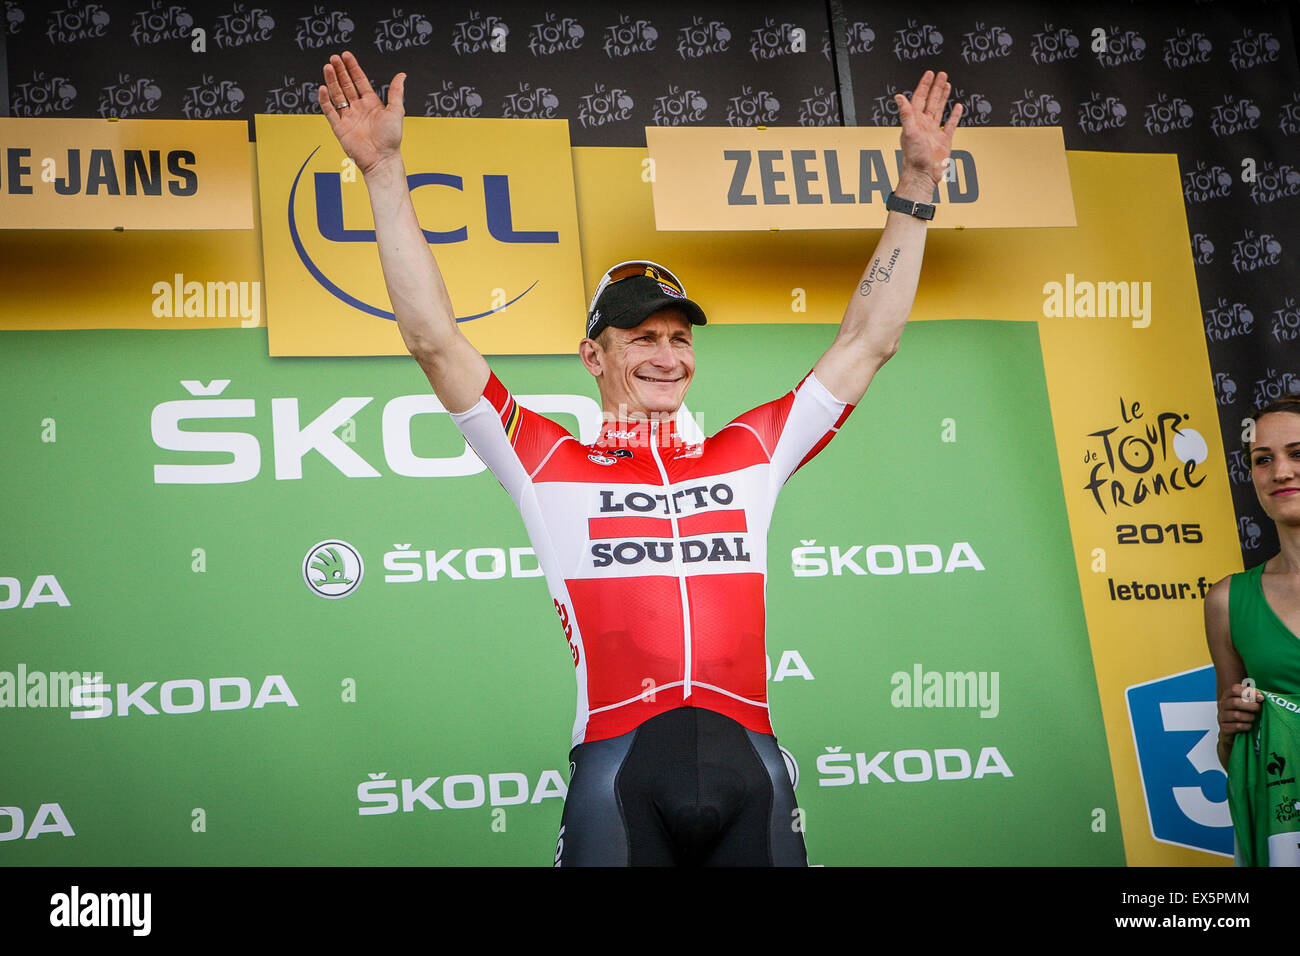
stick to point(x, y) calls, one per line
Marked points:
point(1215, 82)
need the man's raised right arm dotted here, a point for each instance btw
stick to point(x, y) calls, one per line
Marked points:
point(371, 134)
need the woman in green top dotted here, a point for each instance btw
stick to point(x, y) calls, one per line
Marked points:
point(1252, 619)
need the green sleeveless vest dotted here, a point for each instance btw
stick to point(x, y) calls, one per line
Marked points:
point(1269, 650)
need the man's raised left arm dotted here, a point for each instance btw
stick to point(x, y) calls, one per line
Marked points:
point(873, 322)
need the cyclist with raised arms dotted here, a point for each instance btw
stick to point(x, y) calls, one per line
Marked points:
point(653, 547)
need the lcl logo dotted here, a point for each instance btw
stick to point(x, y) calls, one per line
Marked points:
point(329, 223)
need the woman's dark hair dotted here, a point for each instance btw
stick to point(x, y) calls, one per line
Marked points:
point(1289, 403)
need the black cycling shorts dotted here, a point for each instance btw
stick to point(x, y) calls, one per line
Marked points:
point(689, 787)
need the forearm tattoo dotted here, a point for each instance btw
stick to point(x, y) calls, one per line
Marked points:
point(879, 273)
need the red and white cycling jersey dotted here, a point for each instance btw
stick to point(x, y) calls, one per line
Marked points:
point(655, 550)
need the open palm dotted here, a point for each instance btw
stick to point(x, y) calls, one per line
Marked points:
point(368, 131)
point(925, 142)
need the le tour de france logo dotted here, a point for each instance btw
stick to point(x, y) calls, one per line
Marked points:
point(333, 569)
point(1141, 453)
point(325, 243)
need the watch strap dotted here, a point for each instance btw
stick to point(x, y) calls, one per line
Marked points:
point(911, 207)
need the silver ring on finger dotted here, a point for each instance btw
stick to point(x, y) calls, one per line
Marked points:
point(341, 106)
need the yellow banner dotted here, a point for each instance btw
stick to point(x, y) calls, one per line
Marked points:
point(1145, 478)
point(495, 199)
point(124, 174)
point(802, 277)
point(135, 279)
point(760, 178)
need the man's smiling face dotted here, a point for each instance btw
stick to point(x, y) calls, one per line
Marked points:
point(644, 371)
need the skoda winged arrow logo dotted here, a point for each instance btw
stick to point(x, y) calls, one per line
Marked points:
point(333, 569)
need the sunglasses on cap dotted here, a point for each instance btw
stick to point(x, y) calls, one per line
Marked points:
point(629, 269)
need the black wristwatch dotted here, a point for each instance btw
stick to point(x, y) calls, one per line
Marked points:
point(921, 210)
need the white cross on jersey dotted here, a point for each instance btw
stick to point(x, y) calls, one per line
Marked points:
point(655, 550)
